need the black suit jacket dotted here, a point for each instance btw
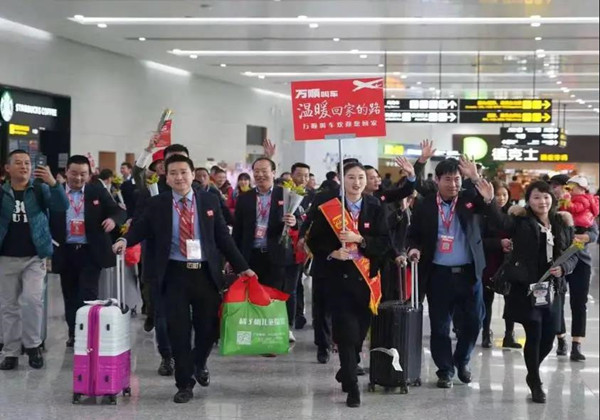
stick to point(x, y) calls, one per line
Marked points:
point(129, 192)
point(155, 226)
point(423, 232)
point(98, 206)
point(372, 226)
point(244, 226)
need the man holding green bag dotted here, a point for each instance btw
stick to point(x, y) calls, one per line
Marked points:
point(188, 234)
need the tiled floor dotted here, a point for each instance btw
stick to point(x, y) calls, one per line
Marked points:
point(296, 387)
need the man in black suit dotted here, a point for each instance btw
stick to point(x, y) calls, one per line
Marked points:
point(83, 237)
point(128, 189)
point(188, 234)
point(258, 225)
point(451, 262)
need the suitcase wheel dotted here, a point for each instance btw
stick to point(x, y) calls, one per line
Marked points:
point(112, 399)
point(127, 392)
point(417, 382)
point(404, 389)
point(389, 389)
point(371, 388)
point(76, 398)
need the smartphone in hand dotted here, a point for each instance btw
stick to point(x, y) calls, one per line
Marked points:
point(41, 161)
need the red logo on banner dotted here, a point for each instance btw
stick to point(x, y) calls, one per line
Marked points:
point(164, 137)
point(334, 107)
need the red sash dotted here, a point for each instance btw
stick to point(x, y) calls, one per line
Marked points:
point(332, 210)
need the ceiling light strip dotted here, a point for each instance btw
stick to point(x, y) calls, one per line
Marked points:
point(392, 74)
point(334, 20)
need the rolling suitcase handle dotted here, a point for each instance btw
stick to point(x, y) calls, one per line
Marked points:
point(120, 269)
point(414, 278)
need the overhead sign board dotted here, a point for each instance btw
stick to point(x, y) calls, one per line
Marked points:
point(505, 117)
point(506, 110)
point(421, 110)
point(327, 108)
point(530, 136)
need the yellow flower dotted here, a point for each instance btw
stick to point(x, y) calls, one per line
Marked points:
point(152, 180)
point(298, 189)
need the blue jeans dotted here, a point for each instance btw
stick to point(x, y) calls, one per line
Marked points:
point(447, 292)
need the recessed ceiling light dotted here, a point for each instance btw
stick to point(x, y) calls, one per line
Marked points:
point(141, 39)
point(247, 73)
point(404, 76)
point(392, 96)
point(313, 25)
point(432, 89)
point(363, 56)
point(193, 56)
point(597, 110)
point(546, 64)
point(589, 106)
point(558, 82)
point(302, 17)
point(538, 38)
point(396, 73)
point(523, 68)
point(572, 96)
point(78, 17)
point(419, 83)
point(336, 40)
point(354, 51)
point(102, 25)
point(381, 65)
point(223, 65)
point(261, 76)
point(535, 18)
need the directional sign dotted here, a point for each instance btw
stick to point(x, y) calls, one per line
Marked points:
point(500, 105)
point(530, 136)
point(505, 117)
point(421, 111)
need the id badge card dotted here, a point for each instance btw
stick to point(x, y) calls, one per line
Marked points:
point(261, 232)
point(354, 253)
point(77, 228)
point(194, 252)
point(445, 244)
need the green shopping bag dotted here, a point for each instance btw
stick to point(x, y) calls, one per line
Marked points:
point(250, 329)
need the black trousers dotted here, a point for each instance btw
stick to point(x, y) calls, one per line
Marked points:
point(351, 318)
point(579, 288)
point(269, 274)
point(300, 297)
point(79, 281)
point(192, 301)
point(539, 340)
point(321, 312)
point(290, 287)
point(488, 300)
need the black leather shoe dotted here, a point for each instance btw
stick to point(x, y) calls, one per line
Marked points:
point(1, 346)
point(445, 383)
point(562, 348)
point(353, 399)
point(576, 354)
point(149, 324)
point(300, 322)
point(510, 342)
point(537, 392)
point(36, 360)
point(464, 374)
point(183, 396)
point(70, 342)
point(203, 377)
point(360, 371)
point(486, 339)
point(323, 355)
point(9, 363)
point(166, 367)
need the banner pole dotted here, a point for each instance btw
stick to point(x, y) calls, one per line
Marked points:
point(342, 188)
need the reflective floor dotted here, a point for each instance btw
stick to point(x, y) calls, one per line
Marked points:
point(296, 387)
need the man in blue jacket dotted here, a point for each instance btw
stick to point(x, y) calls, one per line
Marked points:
point(25, 243)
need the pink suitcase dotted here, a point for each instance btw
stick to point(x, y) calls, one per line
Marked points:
point(102, 362)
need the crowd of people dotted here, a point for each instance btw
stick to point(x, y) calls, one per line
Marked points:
point(197, 230)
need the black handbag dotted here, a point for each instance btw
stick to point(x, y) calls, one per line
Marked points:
point(511, 271)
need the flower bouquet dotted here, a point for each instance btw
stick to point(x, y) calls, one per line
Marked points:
point(152, 184)
point(573, 249)
point(117, 182)
point(292, 197)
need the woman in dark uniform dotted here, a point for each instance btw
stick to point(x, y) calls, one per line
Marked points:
point(540, 235)
point(352, 284)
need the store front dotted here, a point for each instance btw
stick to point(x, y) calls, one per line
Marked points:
point(37, 122)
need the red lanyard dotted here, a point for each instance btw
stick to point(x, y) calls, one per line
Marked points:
point(262, 211)
point(446, 222)
point(76, 208)
point(192, 210)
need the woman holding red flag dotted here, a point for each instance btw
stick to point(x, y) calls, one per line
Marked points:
point(349, 260)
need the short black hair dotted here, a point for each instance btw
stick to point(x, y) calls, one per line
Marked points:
point(179, 158)
point(388, 175)
point(353, 165)
point(220, 171)
point(245, 176)
point(330, 176)
point(543, 187)
point(16, 152)
point(300, 165)
point(369, 167)
point(79, 160)
point(273, 165)
point(127, 164)
point(176, 148)
point(514, 178)
point(446, 166)
point(202, 169)
point(285, 173)
point(311, 174)
point(105, 174)
point(347, 161)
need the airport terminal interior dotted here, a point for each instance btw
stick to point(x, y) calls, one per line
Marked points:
point(267, 97)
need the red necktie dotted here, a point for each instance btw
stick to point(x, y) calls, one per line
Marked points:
point(185, 227)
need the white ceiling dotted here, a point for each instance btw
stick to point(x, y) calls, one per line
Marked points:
point(506, 64)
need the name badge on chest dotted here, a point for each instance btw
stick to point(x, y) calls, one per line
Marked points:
point(77, 228)
point(260, 232)
point(445, 244)
point(194, 251)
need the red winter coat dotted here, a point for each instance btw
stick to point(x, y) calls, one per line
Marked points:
point(584, 208)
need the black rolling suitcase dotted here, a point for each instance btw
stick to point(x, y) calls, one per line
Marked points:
point(396, 340)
